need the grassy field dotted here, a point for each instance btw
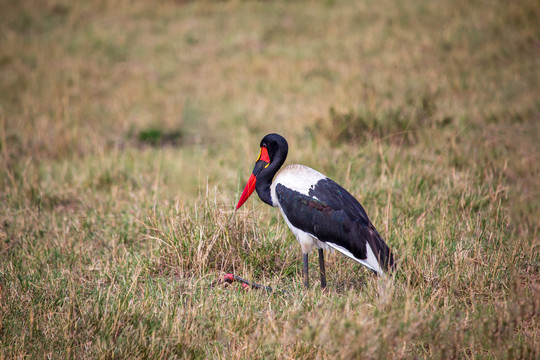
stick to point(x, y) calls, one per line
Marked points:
point(128, 129)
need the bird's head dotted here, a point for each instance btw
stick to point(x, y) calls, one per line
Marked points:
point(274, 150)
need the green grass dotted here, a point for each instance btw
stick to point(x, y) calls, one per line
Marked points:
point(127, 131)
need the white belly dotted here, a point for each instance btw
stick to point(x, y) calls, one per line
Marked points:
point(307, 241)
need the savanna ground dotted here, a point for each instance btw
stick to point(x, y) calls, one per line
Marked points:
point(128, 129)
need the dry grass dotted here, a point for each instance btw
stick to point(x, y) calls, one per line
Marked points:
point(128, 129)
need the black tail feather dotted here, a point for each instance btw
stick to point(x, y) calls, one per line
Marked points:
point(386, 257)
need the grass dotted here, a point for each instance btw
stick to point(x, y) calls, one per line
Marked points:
point(127, 132)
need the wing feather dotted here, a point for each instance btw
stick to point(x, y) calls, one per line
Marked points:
point(332, 215)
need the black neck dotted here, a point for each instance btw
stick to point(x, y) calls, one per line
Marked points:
point(264, 180)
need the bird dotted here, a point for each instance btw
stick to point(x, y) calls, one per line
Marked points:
point(320, 213)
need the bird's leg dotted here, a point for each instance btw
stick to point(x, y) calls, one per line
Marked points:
point(321, 268)
point(305, 271)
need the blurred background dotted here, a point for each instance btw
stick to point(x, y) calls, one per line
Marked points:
point(128, 129)
point(204, 81)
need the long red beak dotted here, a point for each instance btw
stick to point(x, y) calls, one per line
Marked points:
point(248, 190)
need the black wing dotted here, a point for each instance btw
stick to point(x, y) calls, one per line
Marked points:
point(332, 214)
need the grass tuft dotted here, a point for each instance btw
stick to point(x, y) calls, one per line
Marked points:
point(157, 137)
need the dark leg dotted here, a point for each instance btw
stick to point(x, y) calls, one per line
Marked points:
point(305, 271)
point(321, 267)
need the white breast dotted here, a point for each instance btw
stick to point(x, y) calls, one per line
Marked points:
point(296, 177)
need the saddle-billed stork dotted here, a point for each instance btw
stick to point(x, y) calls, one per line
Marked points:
point(320, 213)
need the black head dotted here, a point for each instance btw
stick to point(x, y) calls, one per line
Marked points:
point(276, 145)
point(274, 149)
